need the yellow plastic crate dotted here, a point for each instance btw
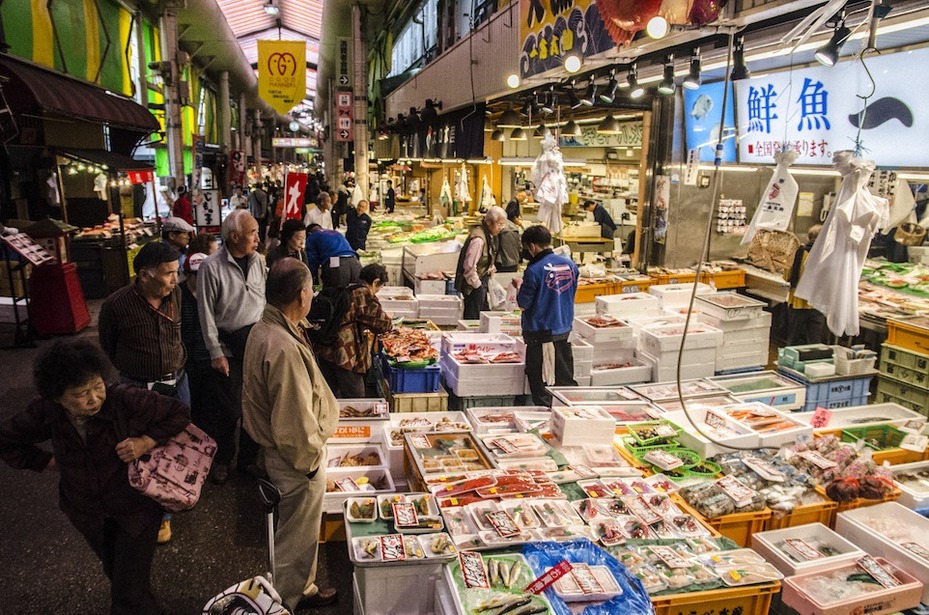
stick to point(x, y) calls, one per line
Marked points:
point(738, 527)
point(908, 335)
point(673, 278)
point(589, 292)
point(724, 279)
point(749, 600)
point(634, 286)
point(857, 503)
point(821, 512)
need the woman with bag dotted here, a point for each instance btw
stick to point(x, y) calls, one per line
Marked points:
point(82, 415)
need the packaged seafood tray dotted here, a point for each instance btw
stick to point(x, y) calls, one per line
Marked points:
point(727, 434)
point(587, 583)
point(678, 295)
point(868, 416)
point(773, 427)
point(848, 589)
point(406, 549)
point(365, 409)
point(913, 481)
point(893, 532)
point(500, 322)
point(603, 329)
point(490, 343)
point(515, 446)
point(659, 340)
point(584, 396)
point(767, 387)
point(500, 419)
point(494, 584)
point(729, 306)
point(354, 455)
point(628, 305)
point(806, 548)
point(659, 392)
point(619, 373)
point(693, 403)
point(436, 454)
point(580, 425)
point(343, 483)
point(631, 411)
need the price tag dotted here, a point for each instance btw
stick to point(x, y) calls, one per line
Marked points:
point(879, 572)
point(420, 441)
point(803, 548)
point(392, 548)
point(347, 484)
point(821, 418)
point(916, 549)
point(549, 578)
point(764, 469)
point(818, 460)
point(915, 442)
point(473, 570)
point(714, 419)
point(584, 471)
point(914, 425)
point(503, 523)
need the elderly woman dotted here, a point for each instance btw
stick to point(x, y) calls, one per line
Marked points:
point(96, 429)
point(293, 240)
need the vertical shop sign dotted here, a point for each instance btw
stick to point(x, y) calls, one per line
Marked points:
point(207, 214)
point(196, 174)
point(344, 76)
point(344, 116)
point(237, 168)
point(282, 73)
point(662, 204)
point(140, 177)
point(293, 195)
point(549, 31)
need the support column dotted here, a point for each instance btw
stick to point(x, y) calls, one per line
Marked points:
point(173, 125)
point(245, 140)
point(256, 140)
point(360, 97)
point(142, 67)
point(225, 113)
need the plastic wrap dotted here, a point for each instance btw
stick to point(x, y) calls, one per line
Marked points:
point(634, 599)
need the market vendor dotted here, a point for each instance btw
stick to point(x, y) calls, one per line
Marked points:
point(546, 296)
point(601, 217)
point(332, 260)
point(476, 262)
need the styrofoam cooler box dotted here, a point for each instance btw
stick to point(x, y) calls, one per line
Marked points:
point(401, 422)
point(441, 309)
point(620, 332)
point(678, 295)
point(581, 425)
point(869, 415)
point(729, 306)
point(347, 454)
point(882, 529)
point(396, 308)
point(658, 340)
point(582, 369)
point(583, 381)
point(430, 257)
point(581, 349)
point(665, 368)
point(658, 320)
point(771, 545)
point(913, 495)
point(637, 372)
point(743, 437)
point(500, 322)
point(628, 305)
point(487, 372)
point(761, 321)
point(490, 420)
point(778, 438)
point(456, 341)
point(378, 480)
point(728, 361)
point(471, 326)
point(392, 292)
point(397, 590)
point(479, 387)
point(428, 287)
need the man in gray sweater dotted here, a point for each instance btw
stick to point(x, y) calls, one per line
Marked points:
point(231, 288)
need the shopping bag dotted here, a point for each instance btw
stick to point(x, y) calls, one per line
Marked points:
point(173, 474)
point(255, 596)
point(496, 295)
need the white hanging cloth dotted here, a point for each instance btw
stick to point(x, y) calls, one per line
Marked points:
point(358, 195)
point(776, 208)
point(551, 185)
point(902, 204)
point(830, 279)
point(462, 192)
point(445, 194)
point(100, 181)
point(487, 195)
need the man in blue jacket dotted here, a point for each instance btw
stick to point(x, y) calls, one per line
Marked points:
point(332, 260)
point(546, 296)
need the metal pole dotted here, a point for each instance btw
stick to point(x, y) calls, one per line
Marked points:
point(173, 126)
point(359, 95)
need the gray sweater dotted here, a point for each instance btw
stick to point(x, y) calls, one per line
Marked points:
point(227, 299)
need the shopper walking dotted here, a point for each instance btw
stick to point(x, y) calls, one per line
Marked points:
point(321, 214)
point(79, 411)
point(177, 233)
point(258, 206)
point(390, 198)
point(293, 243)
point(238, 200)
point(341, 203)
point(231, 290)
point(290, 411)
point(139, 327)
point(476, 262)
point(358, 223)
point(546, 296)
point(332, 260)
point(346, 361)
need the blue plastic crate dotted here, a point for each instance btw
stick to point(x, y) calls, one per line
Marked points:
point(837, 393)
point(414, 380)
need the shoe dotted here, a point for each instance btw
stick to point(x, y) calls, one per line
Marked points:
point(164, 532)
point(220, 473)
point(323, 597)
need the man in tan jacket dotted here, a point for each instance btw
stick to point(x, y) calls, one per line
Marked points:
point(289, 410)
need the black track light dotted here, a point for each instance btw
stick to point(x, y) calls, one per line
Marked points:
point(591, 95)
point(609, 94)
point(828, 54)
point(666, 87)
point(544, 103)
point(636, 90)
point(739, 69)
point(573, 100)
point(693, 80)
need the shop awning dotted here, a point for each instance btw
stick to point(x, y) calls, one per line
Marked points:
point(36, 89)
point(115, 162)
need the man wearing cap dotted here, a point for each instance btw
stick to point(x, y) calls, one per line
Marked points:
point(177, 233)
point(140, 330)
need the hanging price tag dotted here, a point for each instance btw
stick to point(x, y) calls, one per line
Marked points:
point(821, 418)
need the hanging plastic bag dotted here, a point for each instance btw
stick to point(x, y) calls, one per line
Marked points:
point(776, 208)
point(511, 303)
point(496, 295)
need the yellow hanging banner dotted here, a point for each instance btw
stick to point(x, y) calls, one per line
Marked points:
point(282, 73)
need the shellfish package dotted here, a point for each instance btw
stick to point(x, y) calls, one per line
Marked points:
point(632, 600)
point(776, 208)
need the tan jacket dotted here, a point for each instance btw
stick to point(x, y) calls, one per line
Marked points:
point(286, 403)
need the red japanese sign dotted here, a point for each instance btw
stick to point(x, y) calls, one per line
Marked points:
point(293, 195)
point(141, 177)
point(344, 117)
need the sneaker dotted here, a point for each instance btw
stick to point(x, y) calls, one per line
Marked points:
point(164, 532)
point(220, 473)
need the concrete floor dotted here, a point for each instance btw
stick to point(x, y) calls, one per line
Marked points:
point(46, 567)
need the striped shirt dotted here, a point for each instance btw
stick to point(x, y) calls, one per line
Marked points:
point(144, 343)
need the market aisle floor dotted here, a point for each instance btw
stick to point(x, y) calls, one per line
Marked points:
point(47, 567)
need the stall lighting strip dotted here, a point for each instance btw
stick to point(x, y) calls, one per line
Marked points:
point(792, 170)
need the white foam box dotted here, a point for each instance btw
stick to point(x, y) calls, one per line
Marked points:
point(869, 415)
point(583, 381)
point(407, 308)
point(471, 326)
point(780, 438)
point(761, 321)
point(480, 418)
point(582, 369)
point(477, 387)
point(397, 590)
point(857, 526)
point(602, 335)
point(912, 496)
point(391, 292)
point(496, 322)
point(691, 438)
point(658, 340)
point(441, 309)
point(742, 345)
point(728, 361)
point(581, 425)
point(729, 306)
point(394, 451)
point(581, 350)
point(639, 372)
point(430, 257)
point(770, 545)
point(628, 305)
point(456, 341)
point(335, 453)
point(665, 369)
point(428, 287)
point(678, 295)
point(379, 475)
point(488, 372)
point(658, 320)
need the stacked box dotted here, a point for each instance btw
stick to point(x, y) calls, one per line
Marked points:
point(746, 342)
point(428, 287)
point(430, 257)
point(469, 379)
point(509, 323)
point(398, 302)
point(671, 296)
point(440, 308)
point(628, 305)
point(661, 347)
point(904, 377)
point(583, 355)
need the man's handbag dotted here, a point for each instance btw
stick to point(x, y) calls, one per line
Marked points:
point(173, 474)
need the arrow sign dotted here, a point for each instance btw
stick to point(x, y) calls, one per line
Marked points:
point(343, 134)
point(343, 79)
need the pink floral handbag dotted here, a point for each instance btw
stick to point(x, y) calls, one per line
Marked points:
point(173, 474)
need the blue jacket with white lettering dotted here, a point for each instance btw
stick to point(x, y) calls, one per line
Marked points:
point(547, 296)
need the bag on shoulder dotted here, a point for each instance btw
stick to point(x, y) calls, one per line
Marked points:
point(252, 596)
point(173, 474)
point(328, 310)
